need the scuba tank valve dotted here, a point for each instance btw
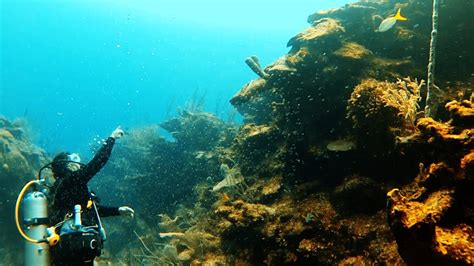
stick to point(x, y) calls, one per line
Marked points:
point(77, 216)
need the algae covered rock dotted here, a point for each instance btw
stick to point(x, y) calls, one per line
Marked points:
point(353, 51)
point(342, 67)
point(433, 214)
point(240, 214)
point(255, 101)
point(197, 130)
point(461, 112)
point(420, 240)
point(258, 143)
point(358, 195)
point(360, 10)
point(19, 159)
point(308, 198)
point(248, 91)
point(324, 32)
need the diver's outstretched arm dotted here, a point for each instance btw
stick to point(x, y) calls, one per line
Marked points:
point(99, 160)
point(105, 211)
point(101, 157)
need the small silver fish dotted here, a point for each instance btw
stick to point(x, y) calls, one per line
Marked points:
point(390, 21)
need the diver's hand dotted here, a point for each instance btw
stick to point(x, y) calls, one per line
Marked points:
point(126, 211)
point(118, 133)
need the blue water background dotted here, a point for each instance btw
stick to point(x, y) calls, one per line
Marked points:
point(77, 69)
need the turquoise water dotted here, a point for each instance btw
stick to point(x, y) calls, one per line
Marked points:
point(77, 69)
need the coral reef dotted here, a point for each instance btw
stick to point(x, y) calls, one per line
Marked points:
point(240, 214)
point(324, 175)
point(198, 130)
point(159, 177)
point(190, 248)
point(254, 64)
point(329, 129)
point(258, 143)
point(364, 195)
point(394, 105)
point(432, 217)
point(152, 164)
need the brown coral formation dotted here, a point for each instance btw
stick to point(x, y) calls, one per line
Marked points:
point(393, 105)
point(258, 143)
point(242, 214)
point(336, 59)
point(298, 182)
point(173, 182)
point(353, 51)
point(432, 218)
point(323, 32)
point(198, 130)
point(18, 157)
point(304, 100)
point(312, 183)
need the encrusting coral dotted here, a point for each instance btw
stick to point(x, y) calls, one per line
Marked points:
point(432, 218)
point(337, 68)
point(384, 110)
point(242, 214)
point(188, 126)
point(314, 180)
point(325, 31)
point(306, 184)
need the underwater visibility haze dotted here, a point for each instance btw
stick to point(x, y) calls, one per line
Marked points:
point(75, 69)
point(237, 132)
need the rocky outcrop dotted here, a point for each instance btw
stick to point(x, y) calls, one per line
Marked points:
point(329, 129)
point(433, 217)
point(344, 82)
point(198, 130)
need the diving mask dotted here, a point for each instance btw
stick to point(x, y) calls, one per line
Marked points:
point(74, 157)
point(74, 165)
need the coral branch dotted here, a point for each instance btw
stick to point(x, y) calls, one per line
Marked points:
point(144, 245)
point(254, 64)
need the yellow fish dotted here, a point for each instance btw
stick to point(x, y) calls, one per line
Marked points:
point(390, 21)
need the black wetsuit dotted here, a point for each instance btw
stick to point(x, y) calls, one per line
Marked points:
point(71, 189)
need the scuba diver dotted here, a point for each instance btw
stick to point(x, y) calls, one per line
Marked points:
point(74, 207)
